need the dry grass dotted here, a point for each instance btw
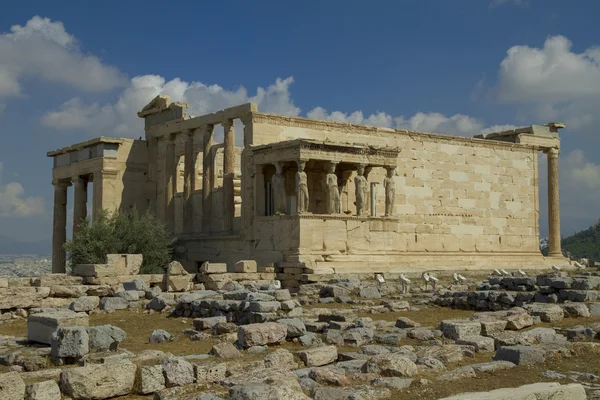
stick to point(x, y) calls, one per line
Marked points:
point(139, 327)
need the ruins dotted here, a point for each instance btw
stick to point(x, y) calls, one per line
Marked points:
point(318, 197)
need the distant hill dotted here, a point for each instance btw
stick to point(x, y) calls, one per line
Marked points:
point(584, 244)
point(12, 246)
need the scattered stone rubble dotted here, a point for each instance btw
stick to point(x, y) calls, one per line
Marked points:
point(274, 344)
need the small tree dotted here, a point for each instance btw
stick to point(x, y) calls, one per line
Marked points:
point(122, 233)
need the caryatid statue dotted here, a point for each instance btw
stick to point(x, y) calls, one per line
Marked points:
point(390, 191)
point(302, 188)
point(278, 185)
point(334, 204)
point(362, 191)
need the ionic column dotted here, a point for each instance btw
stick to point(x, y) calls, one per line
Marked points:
point(553, 204)
point(59, 231)
point(189, 183)
point(207, 170)
point(79, 202)
point(170, 176)
point(228, 174)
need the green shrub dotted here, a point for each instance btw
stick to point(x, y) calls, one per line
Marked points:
point(122, 233)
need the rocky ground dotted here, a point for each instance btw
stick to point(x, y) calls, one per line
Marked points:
point(344, 339)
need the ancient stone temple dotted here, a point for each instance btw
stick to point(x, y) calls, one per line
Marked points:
point(321, 197)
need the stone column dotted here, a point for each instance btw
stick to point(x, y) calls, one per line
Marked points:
point(152, 173)
point(97, 203)
point(170, 176)
point(59, 231)
point(79, 202)
point(189, 183)
point(554, 249)
point(228, 174)
point(207, 170)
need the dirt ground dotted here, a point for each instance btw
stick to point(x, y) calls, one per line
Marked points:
point(139, 326)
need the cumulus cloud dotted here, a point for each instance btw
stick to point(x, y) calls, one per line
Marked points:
point(553, 82)
point(14, 203)
point(120, 118)
point(43, 49)
point(457, 124)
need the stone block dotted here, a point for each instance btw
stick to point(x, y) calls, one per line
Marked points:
point(12, 386)
point(46, 390)
point(94, 270)
point(178, 372)
point(22, 297)
point(149, 379)
point(210, 372)
point(41, 326)
point(295, 327)
point(68, 291)
point(520, 355)
point(460, 329)
point(318, 356)
point(542, 390)
point(264, 306)
point(575, 310)
point(179, 283)
point(215, 268)
point(594, 309)
point(105, 337)
point(85, 304)
point(391, 364)
point(125, 264)
point(136, 284)
point(98, 381)
point(245, 266)
point(111, 304)
point(517, 322)
point(70, 342)
point(208, 323)
point(55, 279)
point(547, 312)
point(492, 327)
point(480, 343)
point(262, 334)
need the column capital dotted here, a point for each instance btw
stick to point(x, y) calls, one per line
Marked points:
point(61, 183)
point(227, 123)
point(78, 179)
point(188, 132)
point(552, 152)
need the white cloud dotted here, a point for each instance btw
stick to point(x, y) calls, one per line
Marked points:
point(380, 119)
point(120, 118)
point(553, 82)
point(14, 203)
point(457, 124)
point(42, 49)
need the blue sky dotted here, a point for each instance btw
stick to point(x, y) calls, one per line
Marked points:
point(75, 70)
